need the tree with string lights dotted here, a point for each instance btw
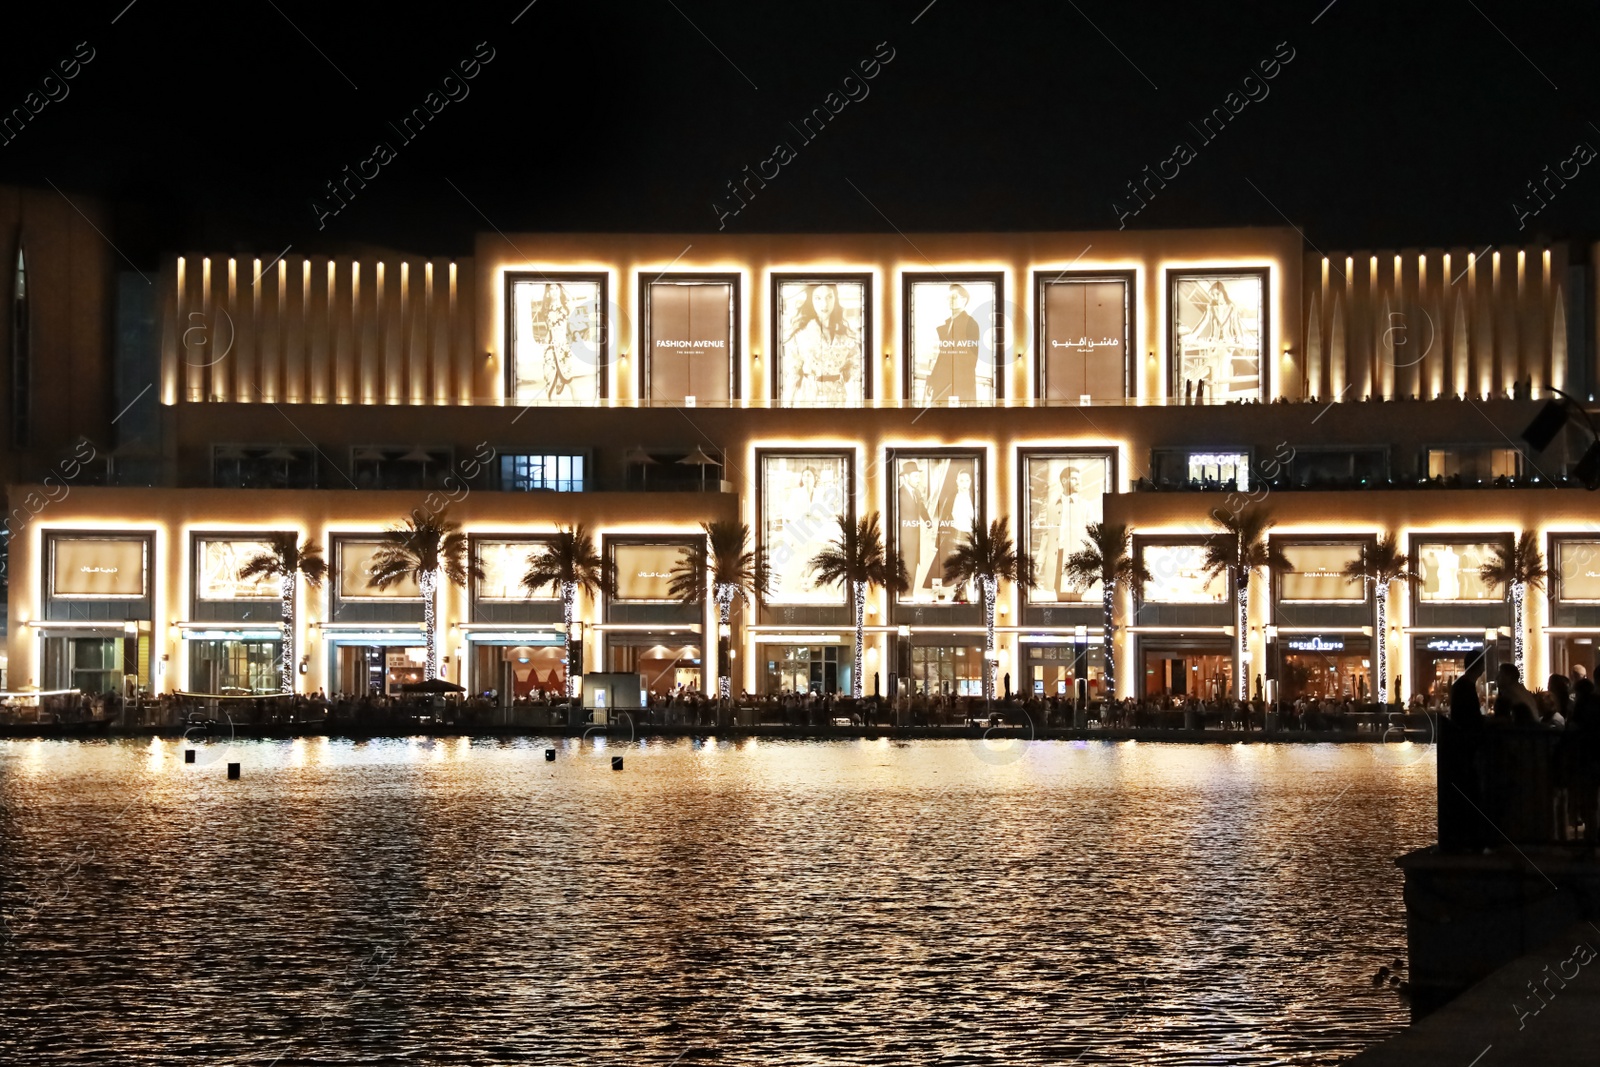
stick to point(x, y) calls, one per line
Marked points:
point(724, 560)
point(986, 557)
point(857, 559)
point(427, 548)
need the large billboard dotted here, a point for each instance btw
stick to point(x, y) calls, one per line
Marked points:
point(690, 334)
point(555, 337)
point(1064, 494)
point(1219, 333)
point(1085, 324)
point(953, 332)
point(504, 563)
point(938, 496)
point(1448, 572)
point(98, 568)
point(803, 499)
point(355, 573)
point(1577, 567)
point(1318, 574)
point(820, 348)
point(643, 573)
point(1177, 576)
point(219, 560)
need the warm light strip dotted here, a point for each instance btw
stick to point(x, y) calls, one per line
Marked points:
point(38, 693)
point(224, 624)
point(799, 639)
point(76, 624)
point(369, 626)
point(1178, 629)
point(644, 627)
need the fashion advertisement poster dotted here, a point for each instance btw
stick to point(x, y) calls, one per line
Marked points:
point(218, 563)
point(1065, 494)
point(803, 498)
point(937, 499)
point(951, 328)
point(1448, 572)
point(1218, 335)
point(504, 564)
point(1177, 576)
point(355, 574)
point(555, 335)
point(821, 342)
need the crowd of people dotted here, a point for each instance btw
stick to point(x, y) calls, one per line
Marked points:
point(1520, 763)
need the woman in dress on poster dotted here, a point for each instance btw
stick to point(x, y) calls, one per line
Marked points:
point(821, 351)
point(1210, 347)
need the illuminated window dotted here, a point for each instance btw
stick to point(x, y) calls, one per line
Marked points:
point(1220, 468)
point(1474, 464)
point(528, 472)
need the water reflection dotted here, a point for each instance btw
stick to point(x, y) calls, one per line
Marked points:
point(445, 901)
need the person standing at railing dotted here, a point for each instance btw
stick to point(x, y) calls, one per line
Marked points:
point(1512, 700)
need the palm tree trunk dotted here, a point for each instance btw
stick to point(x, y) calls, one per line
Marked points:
point(987, 585)
point(286, 591)
point(428, 582)
point(1109, 603)
point(860, 608)
point(569, 608)
point(1243, 668)
point(1519, 610)
point(1381, 640)
point(724, 613)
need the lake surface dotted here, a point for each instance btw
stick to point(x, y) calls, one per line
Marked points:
point(749, 902)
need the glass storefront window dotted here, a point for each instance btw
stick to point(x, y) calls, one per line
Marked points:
point(664, 667)
point(1185, 672)
point(1327, 675)
point(235, 668)
point(520, 671)
point(946, 670)
point(1053, 670)
point(806, 669)
point(89, 664)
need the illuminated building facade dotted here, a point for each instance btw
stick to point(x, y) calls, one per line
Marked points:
point(644, 384)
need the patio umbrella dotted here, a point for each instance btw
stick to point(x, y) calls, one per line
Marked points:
point(419, 455)
point(697, 458)
point(644, 460)
point(283, 455)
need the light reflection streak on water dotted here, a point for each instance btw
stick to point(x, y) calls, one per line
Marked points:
point(866, 902)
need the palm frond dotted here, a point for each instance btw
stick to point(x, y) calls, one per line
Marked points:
point(568, 557)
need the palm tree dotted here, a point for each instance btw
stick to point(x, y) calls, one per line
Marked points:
point(1382, 563)
point(288, 559)
point(735, 571)
point(986, 557)
point(1238, 548)
point(571, 563)
point(857, 558)
point(424, 549)
point(1519, 568)
point(1107, 558)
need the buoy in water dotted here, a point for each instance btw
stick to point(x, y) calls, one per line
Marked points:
point(549, 755)
point(616, 763)
point(233, 771)
point(188, 755)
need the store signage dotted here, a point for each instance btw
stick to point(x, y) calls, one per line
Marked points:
point(1316, 644)
point(98, 568)
point(1455, 644)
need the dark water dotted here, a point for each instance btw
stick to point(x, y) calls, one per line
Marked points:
point(932, 902)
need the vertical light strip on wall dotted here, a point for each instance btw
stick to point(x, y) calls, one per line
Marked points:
point(21, 354)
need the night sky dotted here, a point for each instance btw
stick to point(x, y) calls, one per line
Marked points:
point(1389, 124)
